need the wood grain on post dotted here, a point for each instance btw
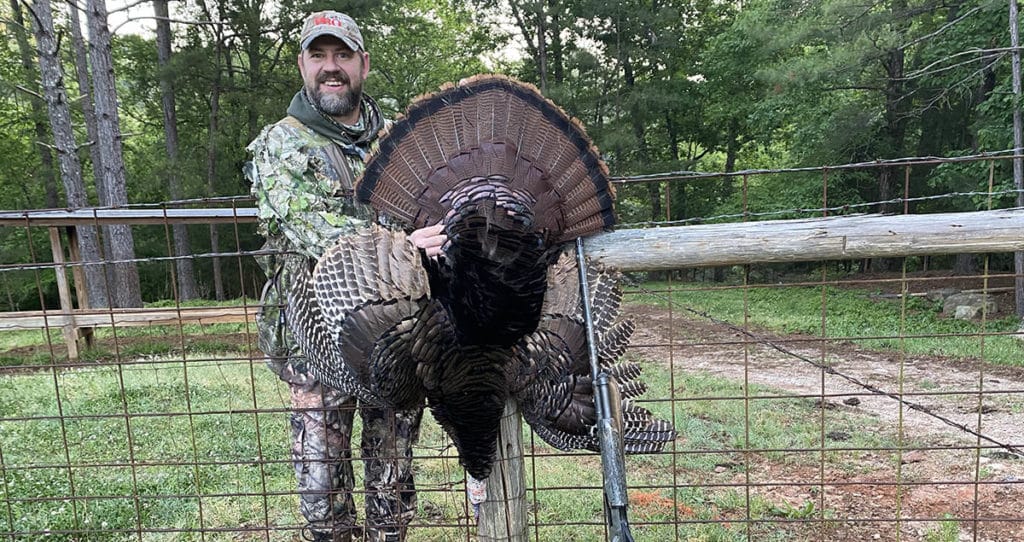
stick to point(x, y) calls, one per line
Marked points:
point(67, 307)
point(503, 514)
point(78, 275)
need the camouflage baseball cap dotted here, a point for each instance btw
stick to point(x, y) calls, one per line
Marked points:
point(331, 23)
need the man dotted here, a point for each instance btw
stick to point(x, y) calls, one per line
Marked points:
point(302, 175)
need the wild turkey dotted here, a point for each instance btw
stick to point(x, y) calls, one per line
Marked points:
point(512, 178)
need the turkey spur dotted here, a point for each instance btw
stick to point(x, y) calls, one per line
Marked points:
point(499, 313)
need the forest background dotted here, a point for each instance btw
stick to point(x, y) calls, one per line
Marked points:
point(160, 108)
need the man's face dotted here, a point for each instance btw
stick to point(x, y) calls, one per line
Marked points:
point(333, 76)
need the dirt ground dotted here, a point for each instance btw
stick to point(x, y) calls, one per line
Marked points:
point(938, 481)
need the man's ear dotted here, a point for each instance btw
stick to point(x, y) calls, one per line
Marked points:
point(366, 64)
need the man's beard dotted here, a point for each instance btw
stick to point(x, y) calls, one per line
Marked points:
point(334, 104)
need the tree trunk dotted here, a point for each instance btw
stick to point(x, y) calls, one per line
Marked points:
point(894, 132)
point(640, 133)
point(85, 92)
point(1018, 147)
point(894, 136)
point(39, 116)
point(64, 141)
point(186, 283)
point(673, 137)
point(521, 13)
point(732, 148)
point(885, 193)
point(542, 48)
point(121, 241)
point(557, 45)
point(211, 150)
point(96, 277)
point(253, 34)
point(99, 277)
point(89, 113)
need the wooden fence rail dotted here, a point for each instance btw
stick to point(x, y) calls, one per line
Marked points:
point(20, 320)
point(813, 239)
point(77, 324)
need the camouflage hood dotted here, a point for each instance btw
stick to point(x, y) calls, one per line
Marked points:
point(354, 143)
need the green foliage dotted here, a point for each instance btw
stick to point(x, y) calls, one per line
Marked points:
point(661, 86)
point(22, 289)
point(807, 510)
point(407, 39)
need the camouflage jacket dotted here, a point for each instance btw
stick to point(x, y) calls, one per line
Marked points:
point(304, 186)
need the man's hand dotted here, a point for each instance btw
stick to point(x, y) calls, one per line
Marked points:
point(431, 239)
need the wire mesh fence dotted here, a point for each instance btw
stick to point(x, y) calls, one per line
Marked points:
point(858, 399)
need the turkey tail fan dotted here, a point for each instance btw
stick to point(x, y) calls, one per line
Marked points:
point(642, 433)
point(511, 177)
point(612, 346)
point(496, 129)
point(556, 392)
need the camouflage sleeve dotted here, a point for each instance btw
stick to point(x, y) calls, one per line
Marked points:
point(293, 195)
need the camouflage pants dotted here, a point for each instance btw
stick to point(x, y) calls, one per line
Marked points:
point(321, 428)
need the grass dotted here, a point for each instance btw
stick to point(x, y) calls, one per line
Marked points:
point(140, 442)
point(146, 450)
point(945, 531)
point(196, 438)
point(849, 315)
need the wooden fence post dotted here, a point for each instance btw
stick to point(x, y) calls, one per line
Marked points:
point(503, 514)
point(81, 289)
point(64, 292)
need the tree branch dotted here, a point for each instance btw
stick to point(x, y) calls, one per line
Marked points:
point(74, 5)
point(947, 89)
point(941, 29)
point(523, 30)
point(170, 19)
point(31, 12)
point(29, 91)
point(126, 7)
point(853, 87)
point(15, 24)
point(991, 53)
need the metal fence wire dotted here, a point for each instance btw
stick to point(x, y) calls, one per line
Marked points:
point(853, 399)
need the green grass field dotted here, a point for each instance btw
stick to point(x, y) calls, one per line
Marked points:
point(175, 435)
point(205, 448)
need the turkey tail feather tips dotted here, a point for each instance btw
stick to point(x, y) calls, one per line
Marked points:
point(490, 126)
